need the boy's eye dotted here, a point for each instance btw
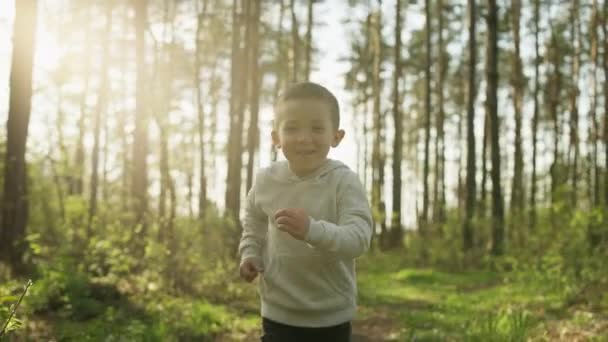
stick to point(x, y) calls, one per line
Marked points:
point(318, 129)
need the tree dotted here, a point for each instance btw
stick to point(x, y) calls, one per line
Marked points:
point(471, 93)
point(573, 92)
point(308, 55)
point(140, 135)
point(492, 104)
point(517, 81)
point(15, 204)
point(237, 72)
point(535, 115)
point(295, 43)
point(253, 133)
point(102, 105)
point(396, 230)
point(378, 204)
point(439, 188)
point(427, 120)
point(202, 205)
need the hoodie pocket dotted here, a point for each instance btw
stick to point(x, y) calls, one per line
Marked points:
point(307, 283)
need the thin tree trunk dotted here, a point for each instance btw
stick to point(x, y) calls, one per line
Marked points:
point(574, 115)
point(77, 186)
point(202, 204)
point(605, 62)
point(517, 191)
point(309, 25)
point(253, 133)
point(535, 115)
point(427, 121)
point(15, 204)
point(102, 105)
point(140, 139)
point(471, 93)
point(595, 183)
point(295, 42)
point(377, 165)
point(492, 85)
point(233, 184)
point(396, 230)
point(483, 201)
point(439, 188)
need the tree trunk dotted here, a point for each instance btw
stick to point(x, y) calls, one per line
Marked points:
point(492, 88)
point(377, 164)
point(295, 42)
point(427, 121)
point(102, 106)
point(202, 204)
point(309, 25)
point(517, 81)
point(535, 115)
point(396, 230)
point(233, 183)
point(15, 204)
point(484, 165)
point(253, 133)
point(439, 188)
point(140, 138)
point(574, 91)
point(605, 62)
point(470, 177)
point(595, 183)
point(77, 186)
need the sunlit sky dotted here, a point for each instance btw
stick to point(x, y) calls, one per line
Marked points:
point(331, 38)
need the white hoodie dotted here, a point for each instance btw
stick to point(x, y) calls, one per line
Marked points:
point(307, 283)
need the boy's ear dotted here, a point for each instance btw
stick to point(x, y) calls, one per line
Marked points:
point(338, 136)
point(275, 139)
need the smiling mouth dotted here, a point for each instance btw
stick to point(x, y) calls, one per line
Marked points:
point(306, 153)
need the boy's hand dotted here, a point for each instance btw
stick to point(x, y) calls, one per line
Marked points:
point(249, 270)
point(293, 221)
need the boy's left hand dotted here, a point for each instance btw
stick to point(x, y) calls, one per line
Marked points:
point(293, 221)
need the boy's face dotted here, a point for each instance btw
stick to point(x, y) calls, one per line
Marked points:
point(305, 132)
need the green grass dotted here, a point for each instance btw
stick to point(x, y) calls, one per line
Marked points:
point(434, 305)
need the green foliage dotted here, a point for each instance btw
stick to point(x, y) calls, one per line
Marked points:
point(509, 325)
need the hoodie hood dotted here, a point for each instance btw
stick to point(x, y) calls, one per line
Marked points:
point(281, 172)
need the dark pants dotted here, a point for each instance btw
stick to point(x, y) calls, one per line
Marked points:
point(278, 332)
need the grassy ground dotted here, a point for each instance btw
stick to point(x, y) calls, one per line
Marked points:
point(405, 304)
point(397, 303)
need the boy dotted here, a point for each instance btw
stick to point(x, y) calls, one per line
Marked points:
point(306, 220)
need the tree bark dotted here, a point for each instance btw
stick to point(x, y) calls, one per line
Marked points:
point(574, 91)
point(202, 205)
point(471, 93)
point(427, 121)
point(535, 116)
point(517, 81)
point(439, 188)
point(253, 133)
point(15, 203)
point(102, 105)
point(295, 42)
point(492, 88)
point(396, 229)
point(309, 26)
point(140, 139)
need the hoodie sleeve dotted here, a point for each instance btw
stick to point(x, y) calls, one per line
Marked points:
point(351, 236)
point(255, 226)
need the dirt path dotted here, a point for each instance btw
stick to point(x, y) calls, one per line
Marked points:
point(377, 324)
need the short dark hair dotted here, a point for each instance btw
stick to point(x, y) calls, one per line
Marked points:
point(311, 90)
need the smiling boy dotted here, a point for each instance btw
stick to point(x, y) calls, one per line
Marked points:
point(306, 220)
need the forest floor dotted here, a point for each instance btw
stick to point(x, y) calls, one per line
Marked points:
point(398, 303)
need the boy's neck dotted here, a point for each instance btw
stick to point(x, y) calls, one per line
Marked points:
point(305, 173)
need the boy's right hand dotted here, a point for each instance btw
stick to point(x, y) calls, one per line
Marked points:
point(248, 270)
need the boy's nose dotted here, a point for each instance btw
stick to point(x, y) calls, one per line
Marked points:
point(305, 137)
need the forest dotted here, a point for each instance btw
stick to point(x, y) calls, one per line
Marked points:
point(134, 129)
